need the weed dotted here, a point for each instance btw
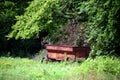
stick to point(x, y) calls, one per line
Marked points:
point(100, 68)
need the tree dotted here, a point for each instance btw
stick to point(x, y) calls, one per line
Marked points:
point(103, 26)
point(47, 15)
point(8, 10)
point(101, 19)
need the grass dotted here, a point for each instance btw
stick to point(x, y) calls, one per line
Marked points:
point(101, 68)
point(26, 69)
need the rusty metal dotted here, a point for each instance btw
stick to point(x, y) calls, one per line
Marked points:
point(67, 52)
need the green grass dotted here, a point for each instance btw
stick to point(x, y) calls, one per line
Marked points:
point(100, 68)
point(25, 69)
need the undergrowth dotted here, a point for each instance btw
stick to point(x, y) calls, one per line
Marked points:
point(100, 68)
point(25, 69)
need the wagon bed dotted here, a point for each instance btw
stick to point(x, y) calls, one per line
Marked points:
point(67, 52)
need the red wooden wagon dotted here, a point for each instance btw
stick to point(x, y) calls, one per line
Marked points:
point(67, 52)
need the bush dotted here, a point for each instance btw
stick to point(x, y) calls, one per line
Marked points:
point(102, 67)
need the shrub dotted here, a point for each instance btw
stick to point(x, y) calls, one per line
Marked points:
point(101, 67)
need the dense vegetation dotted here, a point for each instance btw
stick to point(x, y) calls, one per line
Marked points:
point(100, 68)
point(100, 18)
point(94, 23)
point(103, 26)
point(8, 10)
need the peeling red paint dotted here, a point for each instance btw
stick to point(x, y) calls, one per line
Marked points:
point(67, 52)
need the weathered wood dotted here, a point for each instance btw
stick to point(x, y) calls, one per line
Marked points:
point(67, 52)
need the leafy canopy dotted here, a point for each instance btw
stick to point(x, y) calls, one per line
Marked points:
point(40, 15)
point(103, 26)
point(100, 17)
point(47, 15)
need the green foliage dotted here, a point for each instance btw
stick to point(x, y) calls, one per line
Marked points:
point(26, 69)
point(47, 15)
point(101, 22)
point(38, 16)
point(8, 10)
point(7, 15)
point(102, 27)
point(10, 62)
point(101, 67)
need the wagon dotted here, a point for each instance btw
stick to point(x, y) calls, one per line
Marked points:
point(57, 52)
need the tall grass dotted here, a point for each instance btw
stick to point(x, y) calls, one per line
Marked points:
point(25, 69)
point(100, 68)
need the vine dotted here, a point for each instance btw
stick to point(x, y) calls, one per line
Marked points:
point(100, 17)
point(102, 26)
point(38, 17)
